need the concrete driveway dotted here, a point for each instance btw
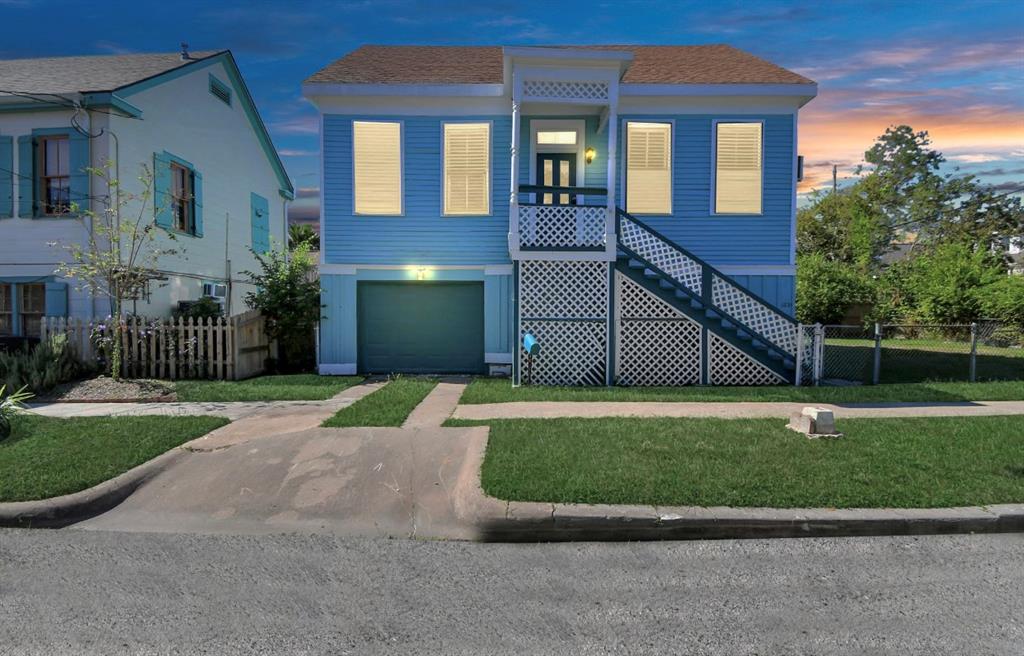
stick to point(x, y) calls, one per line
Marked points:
point(256, 476)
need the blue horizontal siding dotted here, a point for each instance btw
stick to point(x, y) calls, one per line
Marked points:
point(422, 235)
point(780, 291)
point(724, 239)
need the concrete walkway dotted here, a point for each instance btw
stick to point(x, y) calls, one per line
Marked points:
point(552, 409)
point(278, 471)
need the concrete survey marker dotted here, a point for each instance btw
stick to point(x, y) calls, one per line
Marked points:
point(814, 423)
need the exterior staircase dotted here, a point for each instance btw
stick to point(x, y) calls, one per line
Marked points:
point(707, 296)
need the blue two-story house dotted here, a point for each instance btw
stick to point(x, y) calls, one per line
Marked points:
point(631, 207)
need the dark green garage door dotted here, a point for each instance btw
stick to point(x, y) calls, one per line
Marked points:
point(421, 327)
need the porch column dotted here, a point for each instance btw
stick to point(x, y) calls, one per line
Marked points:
point(513, 201)
point(613, 137)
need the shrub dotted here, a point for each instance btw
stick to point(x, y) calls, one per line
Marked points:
point(42, 368)
point(9, 405)
point(1003, 300)
point(204, 308)
point(945, 283)
point(826, 289)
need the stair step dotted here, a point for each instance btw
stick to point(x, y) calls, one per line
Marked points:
point(789, 364)
point(711, 314)
point(636, 264)
point(665, 284)
point(651, 274)
point(774, 355)
point(694, 303)
point(728, 325)
point(742, 334)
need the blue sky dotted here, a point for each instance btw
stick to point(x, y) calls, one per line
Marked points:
point(953, 68)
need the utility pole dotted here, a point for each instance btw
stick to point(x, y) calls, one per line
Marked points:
point(835, 179)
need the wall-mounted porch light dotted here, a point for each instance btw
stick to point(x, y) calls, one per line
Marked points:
point(589, 154)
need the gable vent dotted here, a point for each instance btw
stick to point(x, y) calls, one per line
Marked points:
point(220, 90)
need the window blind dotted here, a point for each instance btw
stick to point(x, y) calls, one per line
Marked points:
point(467, 168)
point(738, 168)
point(377, 160)
point(649, 168)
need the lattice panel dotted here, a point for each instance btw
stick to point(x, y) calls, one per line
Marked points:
point(561, 226)
point(563, 289)
point(557, 90)
point(662, 254)
point(656, 344)
point(727, 365)
point(748, 309)
point(571, 353)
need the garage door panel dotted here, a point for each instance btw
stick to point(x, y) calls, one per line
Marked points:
point(421, 327)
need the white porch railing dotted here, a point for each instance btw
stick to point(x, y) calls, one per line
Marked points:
point(562, 226)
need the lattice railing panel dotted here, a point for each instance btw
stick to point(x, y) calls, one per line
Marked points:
point(661, 253)
point(562, 226)
point(656, 344)
point(727, 365)
point(746, 308)
point(563, 289)
point(571, 353)
point(565, 90)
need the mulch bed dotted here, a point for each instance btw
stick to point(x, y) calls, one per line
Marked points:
point(104, 389)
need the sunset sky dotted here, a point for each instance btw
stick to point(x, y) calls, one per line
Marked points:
point(955, 69)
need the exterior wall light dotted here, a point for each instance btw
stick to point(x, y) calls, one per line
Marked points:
point(589, 154)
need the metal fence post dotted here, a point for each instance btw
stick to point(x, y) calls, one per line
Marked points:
point(799, 355)
point(974, 351)
point(876, 372)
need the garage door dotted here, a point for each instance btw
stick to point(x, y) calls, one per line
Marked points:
point(421, 327)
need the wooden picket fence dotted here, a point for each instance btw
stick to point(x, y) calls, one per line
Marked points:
point(221, 348)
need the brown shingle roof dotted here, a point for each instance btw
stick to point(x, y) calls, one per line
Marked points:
point(712, 64)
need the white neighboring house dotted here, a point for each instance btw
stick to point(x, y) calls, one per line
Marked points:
point(220, 187)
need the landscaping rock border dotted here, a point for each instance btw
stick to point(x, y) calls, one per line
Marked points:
point(516, 521)
point(77, 506)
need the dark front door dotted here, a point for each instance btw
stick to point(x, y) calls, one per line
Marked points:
point(556, 170)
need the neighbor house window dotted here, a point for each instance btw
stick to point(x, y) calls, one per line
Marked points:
point(738, 168)
point(182, 209)
point(6, 322)
point(467, 168)
point(377, 160)
point(31, 307)
point(649, 168)
point(54, 175)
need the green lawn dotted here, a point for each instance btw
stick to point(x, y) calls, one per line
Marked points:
point(495, 390)
point(902, 463)
point(388, 406)
point(295, 387)
point(47, 457)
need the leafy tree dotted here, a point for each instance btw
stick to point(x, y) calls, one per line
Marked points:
point(288, 295)
point(843, 227)
point(119, 256)
point(825, 289)
point(1003, 300)
point(301, 233)
point(946, 283)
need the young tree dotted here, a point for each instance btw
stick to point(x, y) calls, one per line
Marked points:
point(121, 249)
point(288, 295)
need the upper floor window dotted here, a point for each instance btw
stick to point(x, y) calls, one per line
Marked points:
point(648, 168)
point(377, 164)
point(54, 175)
point(467, 168)
point(6, 323)
point(182, 209)
point(738, 168)
point(32, 308)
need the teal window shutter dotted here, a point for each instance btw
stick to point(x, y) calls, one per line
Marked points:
point(259, 210)
point(56, 299)
point(162, 190)
point(197, 201)
point(26, 177)
point(6, 177)
point(78, 163)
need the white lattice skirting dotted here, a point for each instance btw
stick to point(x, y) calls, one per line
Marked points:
point(656, 344)
point(662, 254)
point(564, 304)
point(754, 313)
point(727, 365)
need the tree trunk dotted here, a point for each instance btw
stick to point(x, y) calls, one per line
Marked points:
point(115, 351)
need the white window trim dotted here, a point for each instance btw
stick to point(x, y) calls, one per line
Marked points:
point(624, 161)
point(490, 172)
point(401, 165)
point(577, 125)
point(713, 208)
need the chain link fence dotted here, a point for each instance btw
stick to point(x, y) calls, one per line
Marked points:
point(905, 353)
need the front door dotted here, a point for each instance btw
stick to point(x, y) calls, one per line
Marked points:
point(556, 170)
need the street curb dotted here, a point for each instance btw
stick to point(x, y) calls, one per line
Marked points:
point(516, 521)
point(77, 506)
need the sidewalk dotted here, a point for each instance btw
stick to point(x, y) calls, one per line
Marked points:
point(728, 410)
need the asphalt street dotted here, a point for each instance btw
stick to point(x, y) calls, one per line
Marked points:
point(97, 592)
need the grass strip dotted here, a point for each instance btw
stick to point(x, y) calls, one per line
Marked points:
point(388, 406)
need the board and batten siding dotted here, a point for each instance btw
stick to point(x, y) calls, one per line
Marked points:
point(422, 234)
point(724, 239)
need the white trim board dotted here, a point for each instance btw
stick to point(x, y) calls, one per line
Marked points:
point(345, 369)
point(756, 269)
point(498, 358)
